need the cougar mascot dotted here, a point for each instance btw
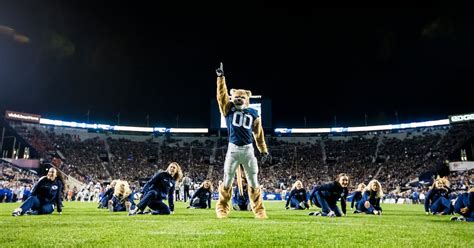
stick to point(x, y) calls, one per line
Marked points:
point(243, 126)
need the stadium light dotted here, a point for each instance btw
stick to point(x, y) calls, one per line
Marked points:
point(365, 128)
point(133, 129)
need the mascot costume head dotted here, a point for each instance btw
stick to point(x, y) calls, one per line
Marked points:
point(240, 98)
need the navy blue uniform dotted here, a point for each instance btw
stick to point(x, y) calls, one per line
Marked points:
point(371, 197)
point(296, 197)
point(160, 187)
point(240, 202)
point(26, 194)
point(6, 195)
point(465, 200)
point(201, 198)
point(44, 196)
point(119, 202)
point(470, 205)
point(437, 201)
point(239, 125)
point(356, 198)
point(105, 199)
point(326, 197)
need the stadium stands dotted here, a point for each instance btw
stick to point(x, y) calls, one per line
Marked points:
point(394, 158)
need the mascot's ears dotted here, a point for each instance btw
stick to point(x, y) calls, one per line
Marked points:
point(248, 92)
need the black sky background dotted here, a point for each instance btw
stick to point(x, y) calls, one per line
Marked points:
point(137, 59)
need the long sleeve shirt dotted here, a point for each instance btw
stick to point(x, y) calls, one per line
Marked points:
point(471, 201)
point(332, 192)
point(49, 191)
point(203, 195)
point(164, 184)
point(434, 194)
point(120, 200)
point(298, 194)
point(356, 198)
point(109, 193)
point(370, 196)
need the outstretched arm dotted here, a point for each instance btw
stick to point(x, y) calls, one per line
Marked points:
point(171, 198)
point(354, 196)
point(428, 201)
point(59, 199)
point(209, 200)
point(292, 193)
point(344, 194)
point(222, 95)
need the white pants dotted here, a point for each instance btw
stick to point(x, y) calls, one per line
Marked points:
point(82, 195)
point(94, 195)
point(237, 155)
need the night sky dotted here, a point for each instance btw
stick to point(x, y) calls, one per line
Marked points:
point(136, 59)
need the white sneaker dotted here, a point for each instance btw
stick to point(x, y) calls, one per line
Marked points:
point(331, 214)
point(133, 211)
point(17, 212)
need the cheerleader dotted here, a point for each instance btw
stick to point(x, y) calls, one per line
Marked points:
point(371, 196)
point(298, 198)
point(326, 196)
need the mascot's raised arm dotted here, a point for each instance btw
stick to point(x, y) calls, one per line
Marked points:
point(244, 126)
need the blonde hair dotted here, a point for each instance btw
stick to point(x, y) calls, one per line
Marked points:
point(443, 180)
point(361, 186)
point(369, 188)
point(122, 188)
point(294, 184)
point(113, 183)
point(179, 173)
point(210, 185)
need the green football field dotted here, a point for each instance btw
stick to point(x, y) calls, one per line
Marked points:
point(83, 225)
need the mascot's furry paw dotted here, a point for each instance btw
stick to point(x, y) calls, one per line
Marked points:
point(261, 215)
point(222, 213)
point(256, 199)
point(222, 205)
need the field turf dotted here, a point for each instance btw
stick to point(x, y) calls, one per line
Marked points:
point(83, 225)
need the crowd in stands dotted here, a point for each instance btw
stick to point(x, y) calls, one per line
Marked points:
point(15, 183)
point(81, 157)
point(130, 160)
point(393, 161)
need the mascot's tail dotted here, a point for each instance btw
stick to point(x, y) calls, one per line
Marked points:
point(239, 180)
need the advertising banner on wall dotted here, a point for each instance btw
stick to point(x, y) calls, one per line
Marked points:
point(19, 116)
point(461, 166)
point(461, 118)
